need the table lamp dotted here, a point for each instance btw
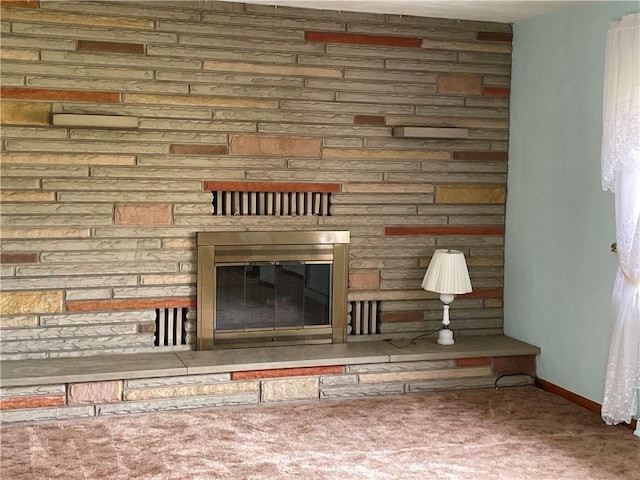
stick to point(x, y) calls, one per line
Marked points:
point(447, 275)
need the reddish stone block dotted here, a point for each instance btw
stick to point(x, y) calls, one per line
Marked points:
point(364, 279)
point(129, 304)
point(19, 3)
point(116, 47)
point(287, 372)
point(143, 214)
point(403, 316)
point(271, 187)
point(496, 91)
point(269, 146)
point(37, 401)
point(95, 392)
point(525, 364)
point(488, 156)
point(50, 94)
point(198, 149)
point(495, 36)
point(146, 327)
point(484, 293)
point(18, 258)
point(369, 120)
point(473, 362)
point(465, 84)
point(356, 38)
point(446, 230)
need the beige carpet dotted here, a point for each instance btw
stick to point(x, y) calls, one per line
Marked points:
point(511, 433)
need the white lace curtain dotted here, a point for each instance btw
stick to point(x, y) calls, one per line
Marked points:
point(621, 174)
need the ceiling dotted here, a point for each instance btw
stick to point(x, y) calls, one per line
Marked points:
point(508, 11)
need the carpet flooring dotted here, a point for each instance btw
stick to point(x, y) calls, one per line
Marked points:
point(516, 433)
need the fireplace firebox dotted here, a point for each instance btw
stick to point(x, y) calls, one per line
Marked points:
point(271, 288)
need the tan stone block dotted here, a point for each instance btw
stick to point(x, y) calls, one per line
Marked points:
point(259, 91)
point(55, 220)
point(471, 85)
point(391, 76)
point(430, 132)
point(94, 392)
point(199, 100)
point(484, 261)
point(115, 185)
point(148, 214)
point(321, 130)
point(387, 188)
point(34, 15)
point(425, 374)
point(492, 303)
point(101, 121)
point(67, 159)
point(220, 54)
point(470, 194)
point(379, 209)
point(274, 146)
point(170, 173)
point(380, 199)
point(496, 47)
point(18, 321)
point(85, 147)
point(122, 8)
point(12, 80)
point(447, 121)
point(16, 54)
point(218, 29)
point(289, 389)
point(368, 153)
point(179, 243)
point(99, 58)
point(45, 233)
point(25, 113)
point(43, 172)
point(346, 108)
point(27, 196)
point(364, 165)
point(272, 69)
point(364, 279)
point(168, 279)
point(45, 301)
point(191, 390)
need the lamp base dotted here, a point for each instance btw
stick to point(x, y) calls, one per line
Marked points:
point(445, 337)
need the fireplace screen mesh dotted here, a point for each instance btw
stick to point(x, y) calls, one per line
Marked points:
point(270, 295)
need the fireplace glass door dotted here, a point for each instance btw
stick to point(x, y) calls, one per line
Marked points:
point(258, 289)
point(272, 296)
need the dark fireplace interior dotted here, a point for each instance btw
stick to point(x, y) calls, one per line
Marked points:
point(272, 295)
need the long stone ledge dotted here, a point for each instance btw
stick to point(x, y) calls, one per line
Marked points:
point(17, 373)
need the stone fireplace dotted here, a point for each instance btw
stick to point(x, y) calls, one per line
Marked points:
point(271, 288)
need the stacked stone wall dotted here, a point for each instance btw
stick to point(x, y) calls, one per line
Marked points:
point(116, 115)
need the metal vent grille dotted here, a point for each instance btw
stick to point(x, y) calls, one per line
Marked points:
point(277, 204)
point(171, 327)
point(363, 317)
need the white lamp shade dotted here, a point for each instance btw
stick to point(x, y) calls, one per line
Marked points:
point(447, 273)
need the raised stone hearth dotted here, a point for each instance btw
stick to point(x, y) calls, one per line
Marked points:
point(36, 390)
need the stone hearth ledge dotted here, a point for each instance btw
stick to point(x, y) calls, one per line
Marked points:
point(15, 373)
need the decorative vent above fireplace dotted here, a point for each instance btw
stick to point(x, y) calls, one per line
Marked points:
point(278, 199)
point(271, 288)
point(277, 204)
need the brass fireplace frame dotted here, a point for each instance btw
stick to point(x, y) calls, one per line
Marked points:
point(225, 248)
